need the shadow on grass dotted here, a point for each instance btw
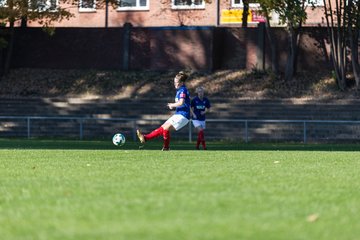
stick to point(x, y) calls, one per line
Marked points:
point(175, 145)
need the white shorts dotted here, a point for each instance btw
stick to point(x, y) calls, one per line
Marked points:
point(198, 123)
point(178, 121)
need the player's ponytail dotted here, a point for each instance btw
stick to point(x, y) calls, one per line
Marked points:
point(181, 76)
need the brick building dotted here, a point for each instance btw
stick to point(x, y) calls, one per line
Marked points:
point(163, 35)
point(154, 13)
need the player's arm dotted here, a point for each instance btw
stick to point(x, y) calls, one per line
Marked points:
point(192, 109)
point(206, 110)
point(176, 104)
point(192, 112)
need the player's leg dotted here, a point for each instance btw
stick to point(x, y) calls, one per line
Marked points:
point(156, 133)
point(167, 127)
point(199, 138)
point(202, 139)
point(140, 136)
point(197, 126)
point(175, 122)
point(145, 137)
point(200, 127)
point(203, 135)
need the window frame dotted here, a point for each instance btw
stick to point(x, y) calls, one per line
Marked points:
point(136, 8)
point(241, 4)
point(87, 9)
point(3, 4)
point(47, 4)
point(186, 7)
point(319, 3)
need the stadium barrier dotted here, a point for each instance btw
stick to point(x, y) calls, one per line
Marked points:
point(245, 130)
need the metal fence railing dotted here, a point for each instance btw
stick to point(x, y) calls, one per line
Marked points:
point(245, 130)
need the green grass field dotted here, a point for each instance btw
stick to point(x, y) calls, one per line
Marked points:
point(93, 190)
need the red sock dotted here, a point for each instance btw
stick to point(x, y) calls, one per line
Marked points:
point(204, 144)
point(166, 136)
point(198, 139)
point(202, 139)
point(154, 134)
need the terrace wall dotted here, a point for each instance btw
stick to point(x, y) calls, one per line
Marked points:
point(141, 113)
point(162, 48)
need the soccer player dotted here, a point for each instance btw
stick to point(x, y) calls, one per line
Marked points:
point(177, 121)
point(200, 105)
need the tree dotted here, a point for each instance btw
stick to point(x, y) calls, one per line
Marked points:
point(292, 13)
point(266, 7)
point(337, 30)
point(45, 12)
point(354, 32)
point(245, 13)
point(41, 11)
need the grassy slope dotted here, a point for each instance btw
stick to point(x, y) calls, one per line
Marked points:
point(91, 190)
point(118, 84)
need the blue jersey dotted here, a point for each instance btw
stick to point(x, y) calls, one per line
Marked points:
point(199, 106)
point(184, 109)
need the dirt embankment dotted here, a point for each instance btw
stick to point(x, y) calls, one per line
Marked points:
point(118, 84)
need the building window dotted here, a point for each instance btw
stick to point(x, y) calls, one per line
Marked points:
point(316, 3)
point(128, 5)
point(43, 5)
point(236, 3)
point(3, 3)
point(187, 4)
point(87, 6)
point(239, 3)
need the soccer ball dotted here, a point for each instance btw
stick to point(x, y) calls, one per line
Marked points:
point(118, 139)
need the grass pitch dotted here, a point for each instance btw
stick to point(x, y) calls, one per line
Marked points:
point(93, 190)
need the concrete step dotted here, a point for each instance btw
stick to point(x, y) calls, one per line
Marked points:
point(221, 108)
point(146, 111)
